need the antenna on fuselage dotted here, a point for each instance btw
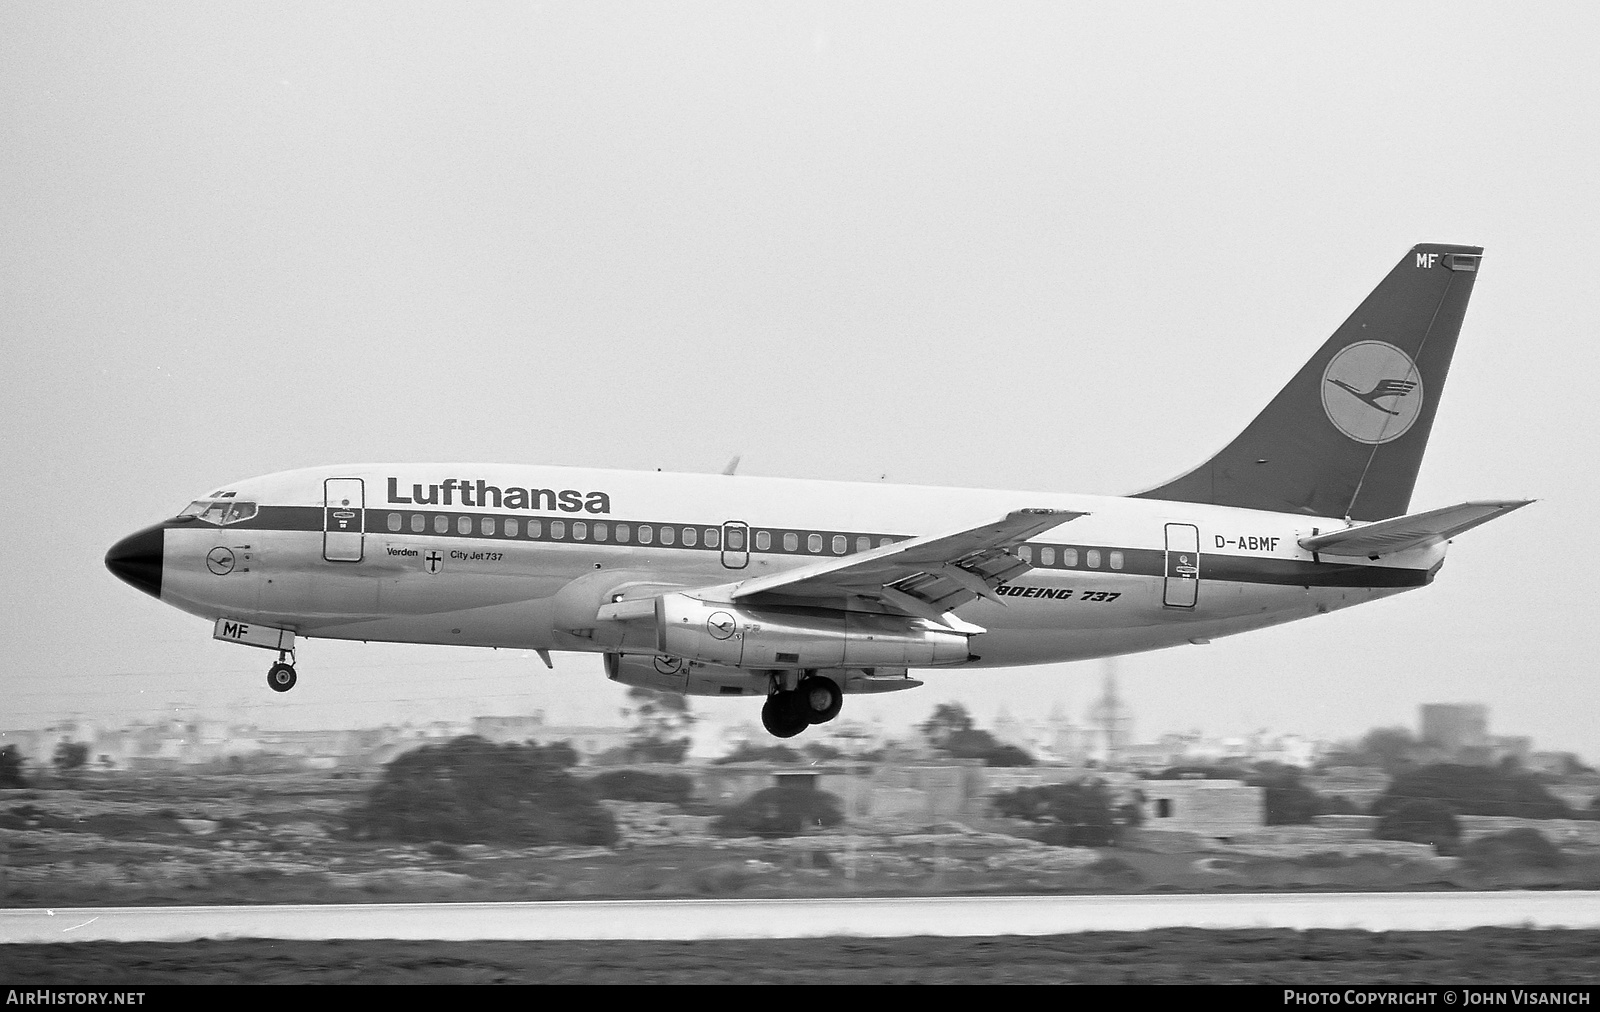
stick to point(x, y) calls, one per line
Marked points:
point(733, 465)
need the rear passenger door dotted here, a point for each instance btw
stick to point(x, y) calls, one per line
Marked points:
point(1182, 589)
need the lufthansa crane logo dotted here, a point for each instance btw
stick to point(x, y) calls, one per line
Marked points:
point(721, 625)
point(1372, 392)
point(220, 560)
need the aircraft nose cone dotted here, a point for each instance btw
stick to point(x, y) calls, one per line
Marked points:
point(136, 560)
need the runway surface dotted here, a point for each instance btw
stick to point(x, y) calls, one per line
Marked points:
point(877, 917)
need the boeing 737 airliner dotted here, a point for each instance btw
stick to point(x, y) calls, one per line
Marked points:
point(801, 592)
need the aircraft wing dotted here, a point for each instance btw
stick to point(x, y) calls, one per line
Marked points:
point(1418, 530)
point(923, 577)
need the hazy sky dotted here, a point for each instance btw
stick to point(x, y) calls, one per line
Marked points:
point(1032, 246)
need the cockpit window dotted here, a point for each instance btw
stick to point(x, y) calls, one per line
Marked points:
point(220, 511)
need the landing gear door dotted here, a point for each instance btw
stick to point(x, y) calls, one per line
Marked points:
point(735, 544)
point(1183, 566)
point(344, 511)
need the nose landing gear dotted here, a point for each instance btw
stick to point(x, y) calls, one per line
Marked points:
point(281, 676)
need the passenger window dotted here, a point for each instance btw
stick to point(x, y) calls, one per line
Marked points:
point(580, 531)
point(1025, 553)
point(1069, 556)
point(623, 534)
point(791, 542)
point(814, 542)
point(558, 530)
point(1047, 556)
point(463, 525)
point(1116, 560)
point(1093, 557)
point(690, 537)
point(486, 525)
point(394, 521)
point(511, 528)
point(600, 532)
point(763, 540)
point(419, 523)
point(736, 540)
point(713, 537)
point(668, 535)
point(646, 535)
point(885, 542)
point(535, 529)
point(840, 543)
point(863, 544)
point(441, 524)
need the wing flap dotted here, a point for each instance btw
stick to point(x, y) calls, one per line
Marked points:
point(926, 577)
point(1418, 530)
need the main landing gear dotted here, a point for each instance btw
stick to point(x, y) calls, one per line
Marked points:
point(787, 712)
point(281, 676)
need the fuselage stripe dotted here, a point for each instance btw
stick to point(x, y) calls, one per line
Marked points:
point(1044, 557)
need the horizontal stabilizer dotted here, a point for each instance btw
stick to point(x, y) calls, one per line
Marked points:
point(1418, 530)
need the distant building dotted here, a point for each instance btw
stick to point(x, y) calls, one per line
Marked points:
point(1556, 763)
point(1008, 730)
point(508, 729)
point(1220, 809)
point(1066, 741)
point(588, 740)
point(1518, 747)
point(1455, 727)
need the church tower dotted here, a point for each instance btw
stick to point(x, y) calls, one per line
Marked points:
point(1110, 720)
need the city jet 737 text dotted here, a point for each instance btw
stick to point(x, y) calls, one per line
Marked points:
point(802, 592)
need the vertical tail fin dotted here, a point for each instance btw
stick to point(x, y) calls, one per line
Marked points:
point(1345, 437)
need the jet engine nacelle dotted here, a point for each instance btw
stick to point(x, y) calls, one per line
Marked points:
point(674, 674)
point(698, 678)
point(575, 606)
point(800, 637)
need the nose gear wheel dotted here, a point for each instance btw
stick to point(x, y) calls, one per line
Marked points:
point(281, 677)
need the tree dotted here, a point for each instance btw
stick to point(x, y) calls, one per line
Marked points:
point(1288, 801)
point(70, 757)
point(470, 790)
point(1006, 755)
point(782, 811)
point(821, 751)
point(947, 719)
point(661, 725)
point(978, 744)
point(1082, 814)
point(639, 785)
point(1201, 773)
point(1423, 821)
point(748, 753)
point(1512, 850)
point(1473, 790)
point(1338, 804)
point(1388, 748)
point(951, 731)
point(11, 762)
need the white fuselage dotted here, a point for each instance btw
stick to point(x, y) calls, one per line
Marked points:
point(456, 570)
